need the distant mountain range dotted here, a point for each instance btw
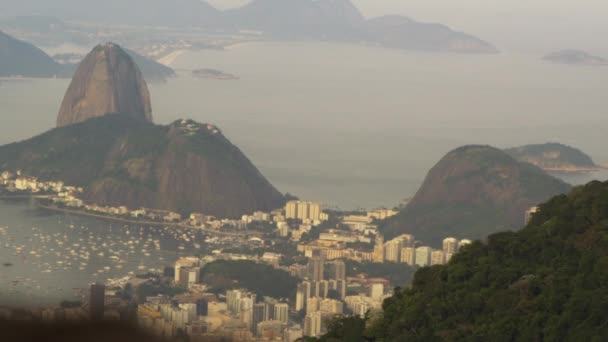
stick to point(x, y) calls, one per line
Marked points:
point(472, 192)
point(554, 157)
point(19, 58)
point(333, 20)
point(404, 33)
point(131, 12)
point(575, 57)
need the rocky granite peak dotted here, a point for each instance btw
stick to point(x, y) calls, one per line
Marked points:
point(472, 192)
point(107, 81)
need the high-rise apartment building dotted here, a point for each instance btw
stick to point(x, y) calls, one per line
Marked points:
point(97, 301)
point(188, 262)
point(312, 324)
point(339, 270)
point(305, 211)
point(331, 306)
point(407, 240)
point(233, 299)
point(391, 250)
point(379, 249)
point(281, 312)
point(259, 315)
point(291, 210)
point(437, 258)
point(450, 245)
point(423, 256)
point(316, 268)
point(300, 297)
point(376, 291)
point(408, 256)
point(312, 305)
point(292, 334)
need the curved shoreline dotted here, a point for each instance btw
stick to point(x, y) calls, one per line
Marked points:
point(143, 223)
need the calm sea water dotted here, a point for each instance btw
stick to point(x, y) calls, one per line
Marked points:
point(346, 125)
point(45, 256)
point(354, 126)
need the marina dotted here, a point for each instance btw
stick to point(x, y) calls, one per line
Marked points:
point(70, 251)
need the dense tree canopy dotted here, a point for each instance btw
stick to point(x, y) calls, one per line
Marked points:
point(548, 282)
point(262, 279)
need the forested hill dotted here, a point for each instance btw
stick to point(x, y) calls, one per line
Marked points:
point(547, 282)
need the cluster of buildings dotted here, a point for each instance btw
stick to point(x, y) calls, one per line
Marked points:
point(17, 183)
point(62, 196)
point(323, 292)
point(241, 315)
point(402, 249)
point(313, 296)
point(346, 243)
point(237, 315)
point(359, 240)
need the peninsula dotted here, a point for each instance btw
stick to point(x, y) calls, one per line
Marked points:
point(213, 74)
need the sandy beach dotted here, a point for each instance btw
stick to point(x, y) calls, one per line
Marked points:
point(169, 59)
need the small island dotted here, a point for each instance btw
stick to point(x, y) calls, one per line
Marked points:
point(213, 74)
point(575, 57)
point(555, 157)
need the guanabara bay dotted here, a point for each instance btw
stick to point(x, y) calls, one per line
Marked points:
point(303, 170)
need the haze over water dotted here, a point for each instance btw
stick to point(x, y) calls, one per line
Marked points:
point(356, 126)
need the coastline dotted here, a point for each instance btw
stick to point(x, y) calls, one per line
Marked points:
point(143, 223)
point(24, 196)
point(170, 59)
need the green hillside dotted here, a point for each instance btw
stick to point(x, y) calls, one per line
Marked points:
point(185, 167)
point(547, 282)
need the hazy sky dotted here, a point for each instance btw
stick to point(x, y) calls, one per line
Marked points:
point(524, 25)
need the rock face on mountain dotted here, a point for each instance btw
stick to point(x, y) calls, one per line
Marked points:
point(18, 58)
point(575, 57)
point(472, 192)
point(106, 81)
point(120, 160)
point(151, 69)
point(554, 157)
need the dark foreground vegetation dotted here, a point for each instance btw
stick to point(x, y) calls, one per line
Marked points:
point(26, 331)
point(548, 282)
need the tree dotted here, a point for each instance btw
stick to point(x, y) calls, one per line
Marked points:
point(547, 282)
